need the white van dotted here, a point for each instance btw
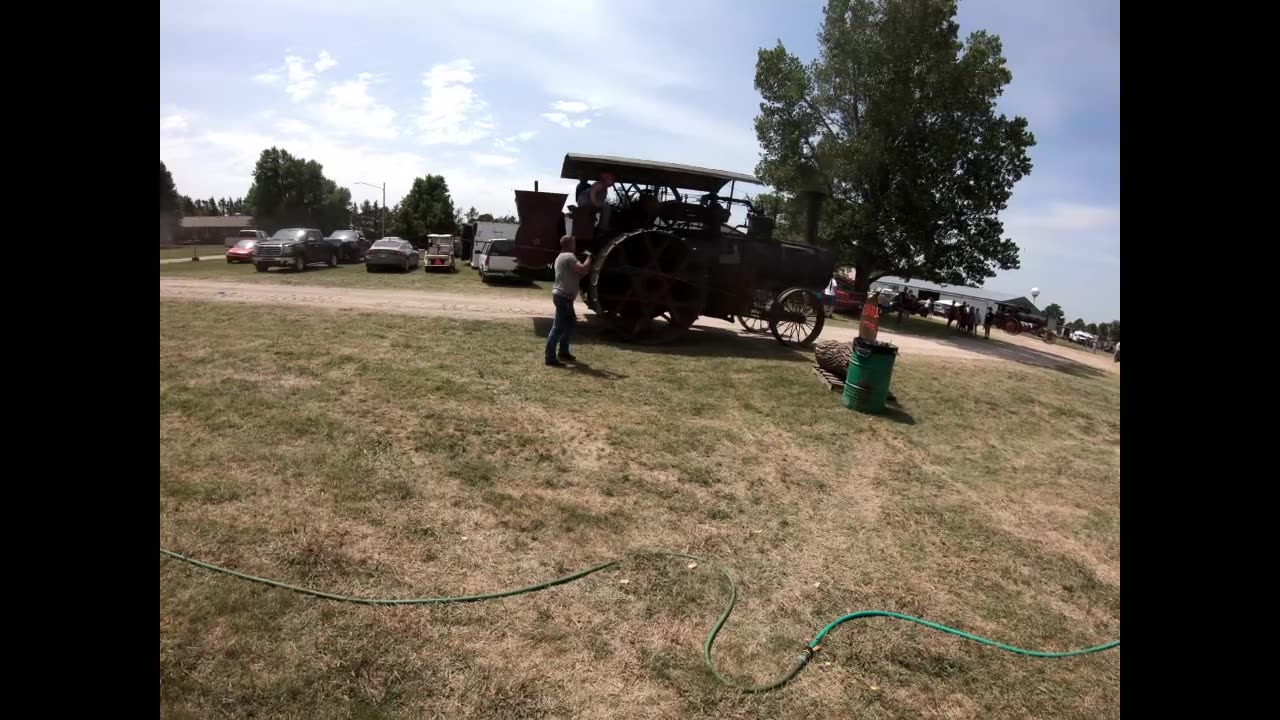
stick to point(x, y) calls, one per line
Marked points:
point(1082, 337)
point(478, 252)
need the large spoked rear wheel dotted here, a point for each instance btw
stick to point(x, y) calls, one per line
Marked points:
point(649, 285)
point(797, 317)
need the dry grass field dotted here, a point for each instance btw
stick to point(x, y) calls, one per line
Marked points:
point(389, 455)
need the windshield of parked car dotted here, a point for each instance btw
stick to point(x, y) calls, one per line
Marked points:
point(289, 235)
point(343, 235)
point(246, 243)
point(388, 244)
point(501, 248)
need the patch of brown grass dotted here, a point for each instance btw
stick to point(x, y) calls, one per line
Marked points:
point(364, 455)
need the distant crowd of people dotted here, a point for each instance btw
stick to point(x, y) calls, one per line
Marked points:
point(967, 318)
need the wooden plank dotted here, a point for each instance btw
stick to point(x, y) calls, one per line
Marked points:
point(832, 382)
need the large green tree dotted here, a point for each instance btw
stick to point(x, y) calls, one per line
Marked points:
point(1054, 310)
point(170, 204)
point(290, 191)
point(787, 212)
point(170, 200)
point(895, 123)
point(426, 209)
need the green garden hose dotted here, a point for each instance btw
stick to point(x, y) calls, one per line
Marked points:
point(805, 656)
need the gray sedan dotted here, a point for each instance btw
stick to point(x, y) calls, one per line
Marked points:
point(392, 252)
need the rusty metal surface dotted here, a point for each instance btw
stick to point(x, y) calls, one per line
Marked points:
point(541, 227)
point(648, 172)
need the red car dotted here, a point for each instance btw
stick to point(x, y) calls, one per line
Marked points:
point(846, 300)
point(242, 251)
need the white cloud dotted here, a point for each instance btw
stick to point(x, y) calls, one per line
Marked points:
point(452, 112)
point(302, 81)
point(558, 118)
point(492, 160)
point(349, 108)
point(571, 106)
point(508, 143)
point(291, 126)
point(173, 122)
point(1089, 233)
point(563, 120)
point(324, 62)
point(220, 163)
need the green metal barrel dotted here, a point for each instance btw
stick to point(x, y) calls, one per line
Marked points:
point(866, 387)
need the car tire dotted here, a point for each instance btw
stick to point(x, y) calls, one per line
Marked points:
point(299, 264)
point(260, 267)
point(333, 259)
point(368, 268)
point(404, 267)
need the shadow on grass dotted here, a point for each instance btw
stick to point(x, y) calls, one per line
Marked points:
point(695, 342)
point(587, 369)
point(895, 412)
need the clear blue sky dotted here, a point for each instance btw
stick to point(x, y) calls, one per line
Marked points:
point(491, 94)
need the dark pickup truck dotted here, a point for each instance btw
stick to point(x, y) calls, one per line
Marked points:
point(294, 248)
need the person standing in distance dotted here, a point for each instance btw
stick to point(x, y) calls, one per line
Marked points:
point(568, 272)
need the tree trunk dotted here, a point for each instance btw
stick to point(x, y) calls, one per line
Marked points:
point(862, 276)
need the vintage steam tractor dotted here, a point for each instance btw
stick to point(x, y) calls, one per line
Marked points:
point(1016, 320)
point(670, 255)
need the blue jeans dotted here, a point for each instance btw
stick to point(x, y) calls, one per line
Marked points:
point(566, 318)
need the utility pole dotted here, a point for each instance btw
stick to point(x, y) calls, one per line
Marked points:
point(384, 203)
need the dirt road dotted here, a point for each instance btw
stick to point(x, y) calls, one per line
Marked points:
point(491, 306)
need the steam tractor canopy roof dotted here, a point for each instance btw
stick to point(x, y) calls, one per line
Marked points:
point(648, 172)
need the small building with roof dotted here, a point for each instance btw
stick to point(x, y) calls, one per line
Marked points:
point(210, 230)
point(982, 298)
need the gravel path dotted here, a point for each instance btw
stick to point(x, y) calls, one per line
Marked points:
point(490, 307)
